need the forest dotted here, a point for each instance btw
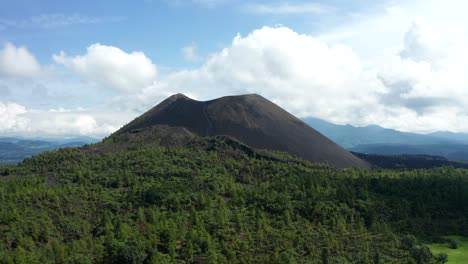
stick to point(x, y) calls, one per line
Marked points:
point(212, 201)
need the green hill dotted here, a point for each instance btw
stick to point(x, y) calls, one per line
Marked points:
point(166, 196)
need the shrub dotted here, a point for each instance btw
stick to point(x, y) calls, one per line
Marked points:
point(442, 258)
point(453, 244)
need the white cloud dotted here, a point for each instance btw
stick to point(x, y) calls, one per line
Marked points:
point(190, 53)
point(17, 120)
point(287, 8)
point(299, 72)
point(112, 67)
point(11, 119)
point(419, 45)
point(403, 68)
point(75, 122)
point(18, 62)
point(426, 78)
point(310, 77)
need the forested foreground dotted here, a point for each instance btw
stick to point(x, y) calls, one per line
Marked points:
point(212, 202)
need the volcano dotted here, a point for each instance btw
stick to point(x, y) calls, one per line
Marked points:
point(250, 119)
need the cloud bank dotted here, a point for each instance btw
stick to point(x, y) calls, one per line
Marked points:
point(421, 87)
point(17, 120)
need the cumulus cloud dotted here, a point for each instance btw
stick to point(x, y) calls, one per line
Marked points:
point(298, 71)
point(111, 67)
point(412, 78)
point(311, 77)
point(17, 120)
point(18, 62)
point(65, 122)
point(427, 77)
point(11, 119)
point(306, 75)
point(416, 46)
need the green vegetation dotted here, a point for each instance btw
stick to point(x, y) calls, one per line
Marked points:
point(458, 255)
point(214, 201)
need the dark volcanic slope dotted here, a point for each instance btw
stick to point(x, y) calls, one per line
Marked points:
point(252, 120)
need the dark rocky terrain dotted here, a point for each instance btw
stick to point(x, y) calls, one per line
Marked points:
point(409, 162)
point(250, 119)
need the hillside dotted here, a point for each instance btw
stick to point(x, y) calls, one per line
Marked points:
point(250, 119)
point(133, 199)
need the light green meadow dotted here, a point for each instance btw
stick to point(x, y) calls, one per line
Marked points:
point(455, 256)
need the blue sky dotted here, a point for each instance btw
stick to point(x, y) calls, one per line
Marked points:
point(88, 67)
point(160, 28)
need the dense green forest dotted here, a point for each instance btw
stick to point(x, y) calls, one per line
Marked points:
point(215, 201)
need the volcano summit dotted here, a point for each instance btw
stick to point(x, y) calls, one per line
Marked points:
point(252, 120)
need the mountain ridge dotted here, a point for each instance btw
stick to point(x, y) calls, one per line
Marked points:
point(14, 150)
point(251, 119)
point(374, 139)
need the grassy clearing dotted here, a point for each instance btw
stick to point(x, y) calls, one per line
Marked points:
point(455, 256)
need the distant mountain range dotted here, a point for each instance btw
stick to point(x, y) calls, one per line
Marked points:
point(375, 139)
point(371, 139)
point(14, 150)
